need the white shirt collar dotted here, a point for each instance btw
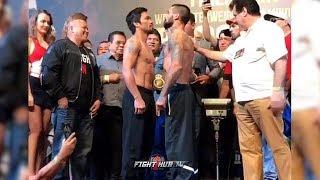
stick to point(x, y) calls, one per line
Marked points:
point(254, 25)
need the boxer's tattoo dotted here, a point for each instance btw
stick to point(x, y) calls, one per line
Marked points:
point(176, 48)
point(132, 47)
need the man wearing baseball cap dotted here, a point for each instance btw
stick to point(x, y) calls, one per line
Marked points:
point(234, 28)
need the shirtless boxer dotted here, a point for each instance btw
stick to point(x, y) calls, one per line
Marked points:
point(138, 106)
point(181, 126)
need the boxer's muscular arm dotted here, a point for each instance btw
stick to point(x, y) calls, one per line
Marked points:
point(175, 69)
point(130, 57)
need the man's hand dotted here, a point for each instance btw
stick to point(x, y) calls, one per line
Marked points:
point(160, 104)
point(95, 107)
point(206, 8)
point(63, 103)
point(67, 147)
point(203, 79)
point(115, 78)
point(139, 106)
point(277, 101)
point(48, 171)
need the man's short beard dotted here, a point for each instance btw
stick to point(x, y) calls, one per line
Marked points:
point(147, 30)
point(167, 24)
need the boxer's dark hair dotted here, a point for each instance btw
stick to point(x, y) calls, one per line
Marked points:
point(184, 12)
point(155, 32)
point(134, 17)
point(111, 35)
point(251, 5)
point(192, 18)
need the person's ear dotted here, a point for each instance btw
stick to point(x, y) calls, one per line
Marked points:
point(70, 28)
point(244, 12)
point(176, 16)
point(136, 24)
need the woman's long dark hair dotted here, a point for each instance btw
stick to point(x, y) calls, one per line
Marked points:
point(33, 26)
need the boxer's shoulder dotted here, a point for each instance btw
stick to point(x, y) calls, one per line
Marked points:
point(178, 35)
point(133, 45)
point(180, 40)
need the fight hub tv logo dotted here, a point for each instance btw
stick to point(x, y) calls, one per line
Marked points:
point(157, 162)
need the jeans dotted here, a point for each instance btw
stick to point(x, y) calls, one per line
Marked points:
point(79, 121)
point(57, 118)
point(269, 168)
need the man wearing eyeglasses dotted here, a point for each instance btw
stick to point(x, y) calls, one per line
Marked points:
point(107, 146)
point(258, 60)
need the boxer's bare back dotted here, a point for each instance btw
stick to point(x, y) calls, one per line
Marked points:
point(177, 64)
point(179, 52)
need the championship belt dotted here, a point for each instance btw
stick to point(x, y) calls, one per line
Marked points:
point(158, 82)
